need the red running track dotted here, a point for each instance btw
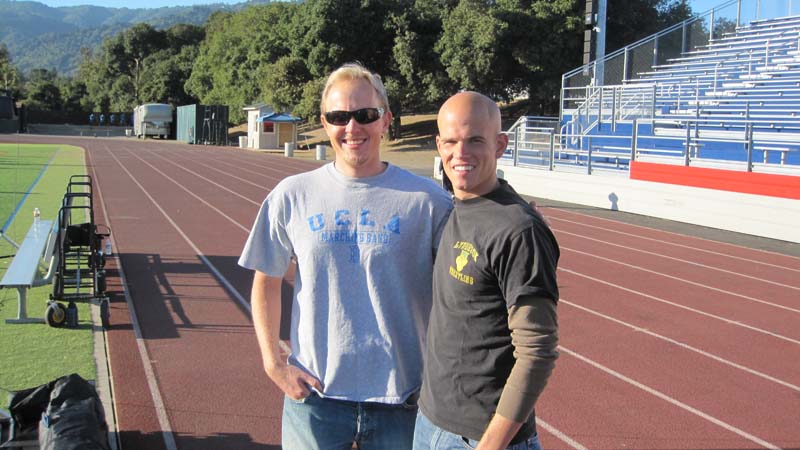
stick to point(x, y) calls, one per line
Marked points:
point(667, 341)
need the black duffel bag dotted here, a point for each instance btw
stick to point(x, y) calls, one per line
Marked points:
point(72, 417)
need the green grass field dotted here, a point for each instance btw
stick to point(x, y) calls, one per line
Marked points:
point(32, 354)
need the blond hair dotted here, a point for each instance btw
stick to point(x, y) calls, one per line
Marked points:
point(355, 71)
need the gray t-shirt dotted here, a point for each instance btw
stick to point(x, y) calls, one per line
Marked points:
point(364, 249)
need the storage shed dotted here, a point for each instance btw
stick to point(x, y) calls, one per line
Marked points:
point(268, 129)
point(203, 124)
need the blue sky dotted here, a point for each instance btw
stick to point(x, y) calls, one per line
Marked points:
point(769, 8)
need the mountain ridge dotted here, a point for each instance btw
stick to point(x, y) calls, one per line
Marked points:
point(41, 36)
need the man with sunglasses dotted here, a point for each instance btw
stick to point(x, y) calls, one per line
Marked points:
point(363, 233)
point(491, 343)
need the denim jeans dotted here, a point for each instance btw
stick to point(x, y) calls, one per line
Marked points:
point(428, 436)
point(317, 423)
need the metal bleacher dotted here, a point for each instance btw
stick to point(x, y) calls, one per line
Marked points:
point(712, 91)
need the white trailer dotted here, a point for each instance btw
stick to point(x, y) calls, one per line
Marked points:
point(152, 119)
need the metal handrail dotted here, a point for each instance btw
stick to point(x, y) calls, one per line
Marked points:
point(651, 38)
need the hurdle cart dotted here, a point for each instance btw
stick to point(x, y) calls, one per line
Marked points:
point(80, 274)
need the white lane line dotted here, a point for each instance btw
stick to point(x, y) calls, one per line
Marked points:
point(152, 383)
point(261, 186)
point(683, 236)
point(232, 192)
point(228, 286)
point(258, 173)
point(200, 199)
point(684, 261)
point(560, 435)
point(670, 400)
point(683, 280)
point(275, 166)
point(687, 308)
point(682, 345)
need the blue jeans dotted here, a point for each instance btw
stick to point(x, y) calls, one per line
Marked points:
point(428, 436)
point(317, 423)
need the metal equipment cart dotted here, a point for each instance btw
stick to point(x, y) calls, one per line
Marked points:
point(80, 274)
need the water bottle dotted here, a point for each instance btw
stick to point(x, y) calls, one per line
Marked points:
point(107, 251)
point(36, 216)
point(72, 315)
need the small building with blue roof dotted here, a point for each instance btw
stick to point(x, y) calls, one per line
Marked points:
point(269, 129)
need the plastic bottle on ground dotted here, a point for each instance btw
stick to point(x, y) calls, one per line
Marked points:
point(72, 315)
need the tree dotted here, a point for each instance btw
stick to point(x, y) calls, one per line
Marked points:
point(470, 47)
point(631, 20)
point(284, 81)
point(509, 48)
point(421, 82)
point(309, 106)
point(10, 77)
point(139, 65)
point(544, 41)
point(330, 33)
point(72, 92)
point(42, 92)
point(238, 47)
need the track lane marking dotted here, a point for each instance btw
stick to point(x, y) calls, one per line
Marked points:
point(683, 345)
point(684, 236)
point(683, 280)
point(152, 384)
point(279, 167)
point(670, 400)
point(261, 186)
point(227, 284)
point(684, 261)
point(200, 199)
point(687, 308)
point(559, 434)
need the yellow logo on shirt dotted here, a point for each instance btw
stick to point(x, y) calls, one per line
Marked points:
point(467, 251)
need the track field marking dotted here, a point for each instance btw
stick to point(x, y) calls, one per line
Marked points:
point(687, 308)
point(279, 168)
point(672, 258)
point(227, 284)
point(247, 199)
point(683, 236)
point(152, 384)
point(560, 435)
point(670, 400)
point(217, 170)
point(682, 345)
point(693, 283)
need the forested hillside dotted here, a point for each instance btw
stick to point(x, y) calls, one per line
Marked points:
point(41, 37)
point(280, 52)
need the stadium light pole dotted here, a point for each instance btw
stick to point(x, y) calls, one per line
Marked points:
point(600, 44)
point(594, 42)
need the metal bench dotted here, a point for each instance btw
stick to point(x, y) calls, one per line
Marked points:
point(781, 150)
point(23, 272)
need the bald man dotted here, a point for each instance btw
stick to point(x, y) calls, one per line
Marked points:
point(493, 330)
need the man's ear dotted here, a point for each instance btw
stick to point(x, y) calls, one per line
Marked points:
point(502, 143)
point(438, 145)
point(387, 121)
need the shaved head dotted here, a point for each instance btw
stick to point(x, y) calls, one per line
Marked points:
point(472, 105)
point(469, 142)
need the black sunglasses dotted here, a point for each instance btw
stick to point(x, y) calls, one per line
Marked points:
point(362, 116)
